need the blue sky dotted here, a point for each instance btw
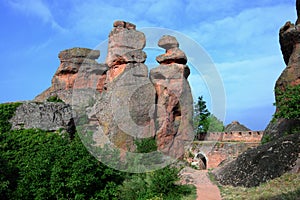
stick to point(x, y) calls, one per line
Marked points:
point(240, 36)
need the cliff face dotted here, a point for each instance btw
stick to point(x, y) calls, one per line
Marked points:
point(289, 39)
point(281, 155)
point(120, 100)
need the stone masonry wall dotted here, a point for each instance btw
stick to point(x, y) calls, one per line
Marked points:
point(235, 136)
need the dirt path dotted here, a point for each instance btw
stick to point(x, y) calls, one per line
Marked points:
point(206, 190)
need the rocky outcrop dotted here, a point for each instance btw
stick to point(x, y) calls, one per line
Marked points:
point(261, 164)
point(236, 126)
point(125, 46)
point(125, 109)
point(281, 153)
point(117, 102)
point(47, 116)
point(289, 38)
point(76, 64)
point(174, 101)
point(281, 127)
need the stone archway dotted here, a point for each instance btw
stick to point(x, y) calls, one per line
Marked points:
point(202, 160)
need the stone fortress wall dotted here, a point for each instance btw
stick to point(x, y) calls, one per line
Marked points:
point(235, 136)
point(214, 148)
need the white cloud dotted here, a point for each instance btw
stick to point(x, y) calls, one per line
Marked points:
point(36, 8)
point(250, 83)
point(251, 32)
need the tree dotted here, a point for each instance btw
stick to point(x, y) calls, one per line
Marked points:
point(201, 114)
point(215, 125)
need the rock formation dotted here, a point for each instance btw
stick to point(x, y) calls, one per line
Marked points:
point(289, 38)
point(174, 100)
point(281, 155)
point(71, 61)
point(124, 108)
point(46, 116)
point(261, 164)
point(119, 101)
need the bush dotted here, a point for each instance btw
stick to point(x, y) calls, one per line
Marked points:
point(7, 111)
point(36, 164)
point(288, 103)
point(54, 99)
point(159, 184)
point(145, 145)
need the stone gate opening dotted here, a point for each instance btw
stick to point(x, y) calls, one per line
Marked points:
point(202, 160)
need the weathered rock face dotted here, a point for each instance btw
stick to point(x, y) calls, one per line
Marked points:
point(118, 101)
point(281, 127)
point(126, 106)
point(174, 100)
point(261, 164)
point(124, 46)
point(289, 38)
point(75, 64)
point(279, 156)
point(46, 116)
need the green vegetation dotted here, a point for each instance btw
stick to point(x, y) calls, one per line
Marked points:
point(201, 115)
point(288, 103)
point(265, 139)
point(285, 187)
point(145, 145)
point(54, 99)
point(215, 125)
point(159, 184)
point(36, 164)
point(204, 121)
point(7, 111)
point(46, 166)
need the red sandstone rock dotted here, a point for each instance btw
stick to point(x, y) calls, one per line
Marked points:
point(122, 40)
point(168, 42)
point(289, 37)
point(174, 55)
point(174, 107)
point(77, 64)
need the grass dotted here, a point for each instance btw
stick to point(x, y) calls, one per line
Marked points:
point(286, 187)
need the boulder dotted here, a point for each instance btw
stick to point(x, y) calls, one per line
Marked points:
point(168, 42)
point(280, 127)
point(258, 165)
point(173, 53)
point(47, 116)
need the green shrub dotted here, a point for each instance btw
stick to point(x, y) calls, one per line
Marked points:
point(7, 111)
point(54, 99)
point(288, 103)
point(145, 145)
point(265, 139)
point(159, 184)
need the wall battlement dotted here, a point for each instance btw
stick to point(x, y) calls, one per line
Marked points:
point(235, 136)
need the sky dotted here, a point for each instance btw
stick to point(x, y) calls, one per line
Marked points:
point(240, 37)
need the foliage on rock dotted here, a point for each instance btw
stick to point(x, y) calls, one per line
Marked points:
point(288, 103)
